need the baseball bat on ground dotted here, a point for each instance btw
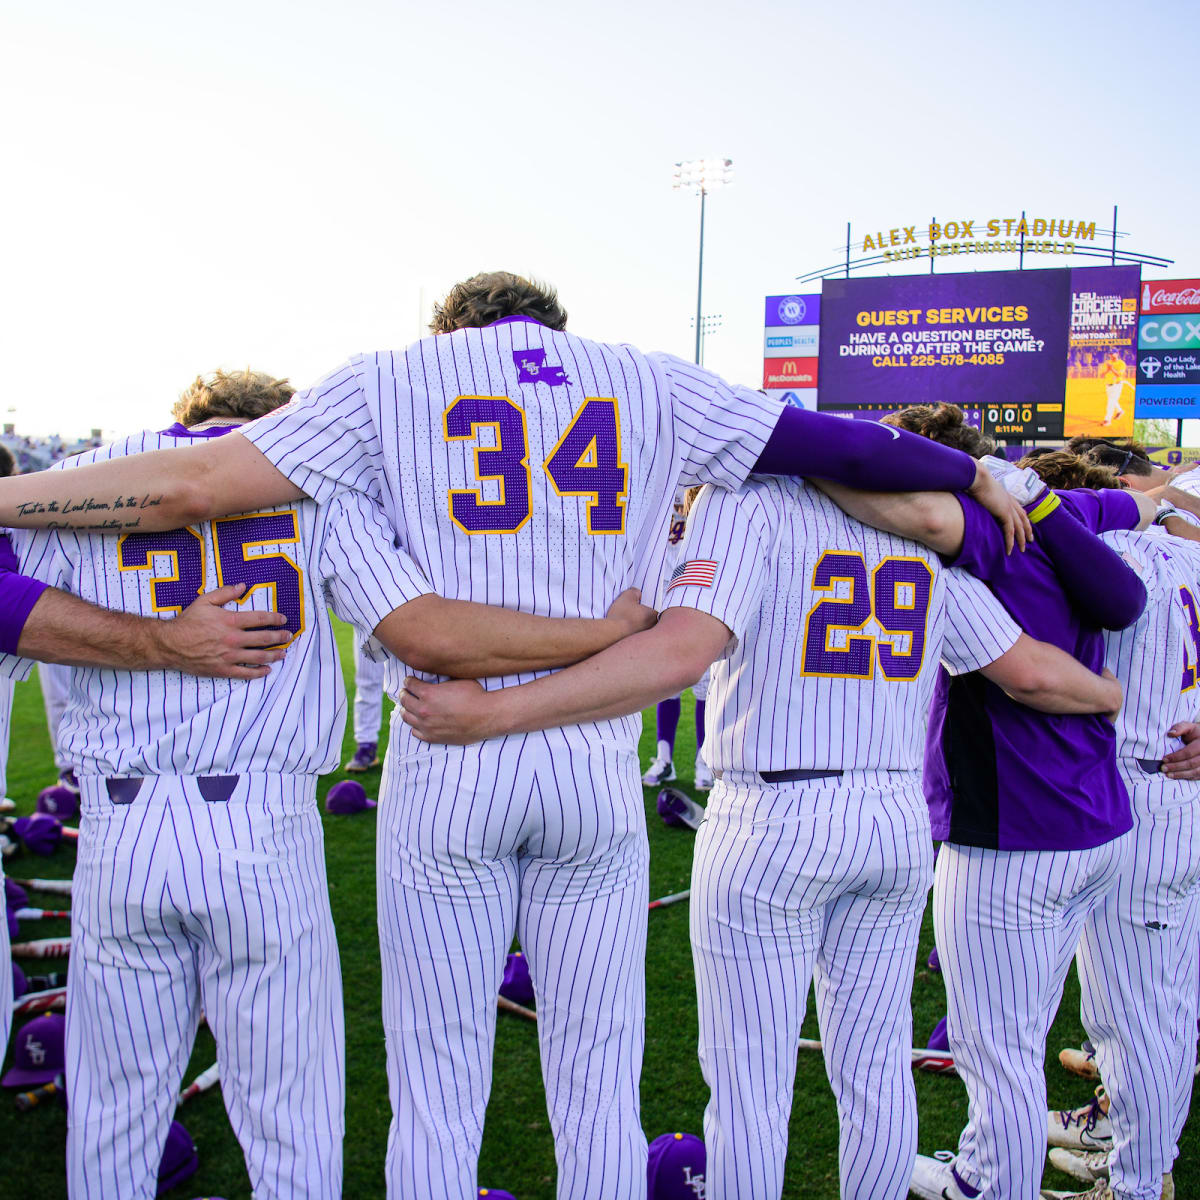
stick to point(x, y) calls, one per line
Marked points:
point(50, 1000)
point(672, 899)
point(43, 914)
point(938, 1062)
point(27, 1100)
point(507, 1005)
point(42, 983)
point(42, 948)
point(57, 887)
point(201, 1083)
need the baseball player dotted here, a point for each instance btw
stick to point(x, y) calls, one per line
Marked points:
point(368, 710)
point(824, 864)
point(198, 812)
point(1112, 375)
point(667, 712)
point(532, 468)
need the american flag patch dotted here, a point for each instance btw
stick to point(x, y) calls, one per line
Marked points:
point(697, 571)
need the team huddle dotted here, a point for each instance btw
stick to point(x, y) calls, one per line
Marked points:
point(906, 640)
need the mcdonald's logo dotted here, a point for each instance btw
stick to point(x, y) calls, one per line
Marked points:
point(790, 373)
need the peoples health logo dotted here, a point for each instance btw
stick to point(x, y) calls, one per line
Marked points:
point(1150, 367)
point(792, 310)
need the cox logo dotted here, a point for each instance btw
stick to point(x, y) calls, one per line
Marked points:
point(1171, 333)
point(1150, 367)
point(792, 310)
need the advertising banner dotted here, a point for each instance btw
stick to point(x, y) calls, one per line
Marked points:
point(1102, 355)
point(798, 341)
point(790, 373)
point(1170, 333)
point(1172, 456)
point(1170, 296)
point(1168, 366)
point(793, 310)
point(1174, 401)
point(994, 340)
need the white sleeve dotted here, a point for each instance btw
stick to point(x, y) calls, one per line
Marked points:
point(979, 628)
point(41, 556)
point(723, 428)
point(367, 574)
point(324, 439)
point(723, 562)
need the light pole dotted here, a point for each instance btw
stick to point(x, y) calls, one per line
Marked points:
point(702, 175)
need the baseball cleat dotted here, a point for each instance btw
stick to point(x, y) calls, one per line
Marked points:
point(703, 779)
point(1099, 1191)
point(1086, 1166)
point(934, 1178)
point(1081, 1062)
point(365, 757)
point(1086, 1128)
point(661, 770)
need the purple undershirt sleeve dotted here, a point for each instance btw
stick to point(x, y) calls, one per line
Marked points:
point(862, 454)
point(18, 595)
point(983, 553)
point(1101, 586)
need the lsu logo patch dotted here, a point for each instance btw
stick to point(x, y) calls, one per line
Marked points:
point(696, 572)
point(532, 368)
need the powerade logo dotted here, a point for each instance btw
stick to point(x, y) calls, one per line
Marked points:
point(792, 310)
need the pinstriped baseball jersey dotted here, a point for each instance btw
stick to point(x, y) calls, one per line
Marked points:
point(839, 630)
point(296, 559)
point(1157, 659)
point(566, 451)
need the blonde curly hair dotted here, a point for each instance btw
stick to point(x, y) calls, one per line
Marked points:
point(244, 395)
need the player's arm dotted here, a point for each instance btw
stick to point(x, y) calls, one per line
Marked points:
point(473, 641)
point(1044, 677)
point(935, 519)
point(625, 678)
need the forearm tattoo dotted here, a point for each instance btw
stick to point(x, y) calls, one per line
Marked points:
point(91, 514)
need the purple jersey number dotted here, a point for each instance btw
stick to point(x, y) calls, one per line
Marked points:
point(1190, 667)
point(274, 570)
point(586, 461)
point(174, 592)
point(897, 596)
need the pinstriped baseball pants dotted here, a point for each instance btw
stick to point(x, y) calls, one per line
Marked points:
point(1007, 924)
point(533, 836)
point(823, 881)
point(6, 981)
point(181, 904)
point(1138, 972)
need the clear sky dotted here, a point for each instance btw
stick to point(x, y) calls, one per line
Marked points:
point(188, 185)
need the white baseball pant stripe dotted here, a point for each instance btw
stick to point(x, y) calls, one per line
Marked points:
point(1007, 923)
point(1138, 974)
point(368, 697)
point(55, 681)
point(474, 844)
point(823, 881)
point(182, 904)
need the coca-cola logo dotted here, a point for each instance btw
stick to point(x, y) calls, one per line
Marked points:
point(1171, 295)
point(1176, 299)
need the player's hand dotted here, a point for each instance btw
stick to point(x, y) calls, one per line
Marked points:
point(630, 614)
point(455, 713)
point(1183, 763)
point(209, 639)
point(1114, 712)
point(1013, 519)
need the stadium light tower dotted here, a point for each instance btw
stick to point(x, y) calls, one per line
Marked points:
point(702, 175)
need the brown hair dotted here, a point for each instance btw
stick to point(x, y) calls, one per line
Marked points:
point(492, 295)
point(1126, 458)
point(1062, 469)
point(942, 423)
point(242, 394)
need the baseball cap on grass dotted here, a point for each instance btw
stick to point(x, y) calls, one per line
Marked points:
point(39, 1055)
point(179, 1161)
point(675, 1163)
point(20, 985)
point(495, 1194)
point(41, 833)
point(15, 896)
point(517, 986)
point(59, 802)
point(347, 797)
point(939, 1039)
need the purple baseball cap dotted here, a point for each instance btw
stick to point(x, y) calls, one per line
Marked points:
point(668, 807)
point(517, 986)
point(39, 1052)
point(41, 833)
point(15, 896)
point(935, 962)
point(20, 984)
point(496, 1194)
point(179, 1161)
point(59, 802)
point(347, 797)
point(675, 1165)
point(10, 919)
point(939, 1039)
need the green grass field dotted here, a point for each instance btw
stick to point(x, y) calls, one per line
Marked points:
point(517, 1150)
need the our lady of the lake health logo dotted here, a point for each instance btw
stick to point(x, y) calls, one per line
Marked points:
point(792, 310)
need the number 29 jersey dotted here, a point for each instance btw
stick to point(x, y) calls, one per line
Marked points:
point(839, 629)
point(294, 559)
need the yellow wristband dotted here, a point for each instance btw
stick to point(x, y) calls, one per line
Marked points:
point(1045, 507)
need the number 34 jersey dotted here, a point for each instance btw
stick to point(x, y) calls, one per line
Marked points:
point(294, 559)
point(838, 630)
